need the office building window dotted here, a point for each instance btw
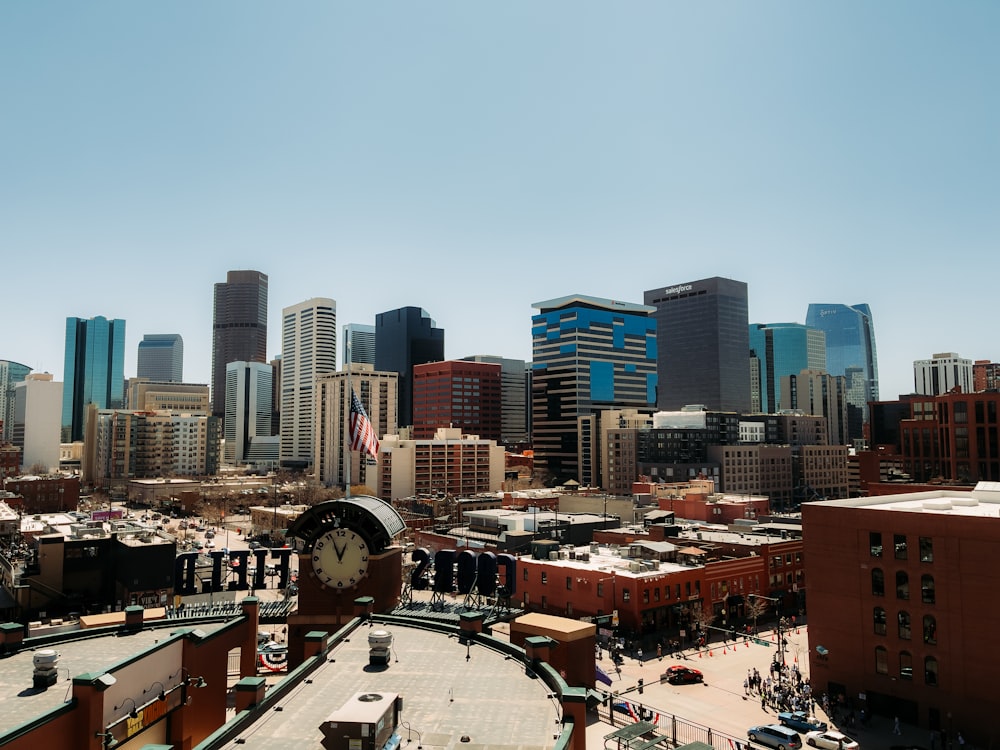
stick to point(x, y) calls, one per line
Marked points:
point(926, 549)
point(930, 629)
point(899, 544)
point(904, 624)
point(881, 660)
point(902, 585)
point(905, 665)
point(879, 620)
point(927, 589)
point(878, 582)
point(930, 671)
point(875, 543)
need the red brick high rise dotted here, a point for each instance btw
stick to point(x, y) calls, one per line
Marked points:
point(457, 393)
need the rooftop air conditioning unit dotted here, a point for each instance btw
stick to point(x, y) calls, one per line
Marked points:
point(635, 566)
point(553, 555)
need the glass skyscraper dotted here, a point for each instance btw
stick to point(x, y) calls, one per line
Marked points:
point(588, 354)
point(161, 358)
point(239, 328)
point(850, 348)
point(703, 340)
point(93, 372)
point(403, 338)
point(11, 373)
point(359, 344)
point(784, 349)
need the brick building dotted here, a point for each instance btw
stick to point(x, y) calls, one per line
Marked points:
point(901, 604)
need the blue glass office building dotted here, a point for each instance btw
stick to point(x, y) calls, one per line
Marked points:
point(784, 349)
point(588, 354)
point(850, 346)
point(93, 372)
point(161, 358)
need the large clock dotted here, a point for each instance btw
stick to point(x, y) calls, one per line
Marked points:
point(340, 558)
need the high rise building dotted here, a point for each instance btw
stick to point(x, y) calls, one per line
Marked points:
point(588, 354)
point(985, 375)
point(161, 358)
point(359, 344)
point(308, 350)
point(447, 463)
point(141, 444)
point(143, 395)
point(239, 327)
point(36, 420)
point(11, 373)
point(248, 409)
point(784, 349)
point(377, 393)
point(702, 333)
point(456, 393)
point(943, 373)
point(513, 398)
point(403, 338)
point(818, 393)
point(850, 348)
point(94, 371)
point(952, 438)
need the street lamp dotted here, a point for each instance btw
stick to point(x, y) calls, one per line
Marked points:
point(780, 655)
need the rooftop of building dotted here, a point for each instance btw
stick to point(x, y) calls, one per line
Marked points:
point(982, 502)
point(448, 690)
point(20, 701)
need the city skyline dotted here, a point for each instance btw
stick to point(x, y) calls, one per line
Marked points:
point(474, 160)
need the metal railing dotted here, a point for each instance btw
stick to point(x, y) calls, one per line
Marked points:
point(619, 711)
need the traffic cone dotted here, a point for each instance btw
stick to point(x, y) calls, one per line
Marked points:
point(710, 653)
point(699, 654)
point(746, 643)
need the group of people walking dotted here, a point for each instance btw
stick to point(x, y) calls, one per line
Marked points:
point(784, 689)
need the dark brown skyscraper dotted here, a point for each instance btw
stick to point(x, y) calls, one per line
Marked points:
point(239, 328)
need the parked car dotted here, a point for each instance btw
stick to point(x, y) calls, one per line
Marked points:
point(678, 673)
point(831, 740)
point(776, 736)
point(254, 545)
point(800, 721)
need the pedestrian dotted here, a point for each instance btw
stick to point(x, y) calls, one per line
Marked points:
point(639, 654)
point(659, 652)
point(746, 687)
point(961, 741)
point(895, 726)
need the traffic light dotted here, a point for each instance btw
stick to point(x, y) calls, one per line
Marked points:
point(640, 686)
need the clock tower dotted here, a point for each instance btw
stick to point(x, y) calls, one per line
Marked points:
point(345, 551)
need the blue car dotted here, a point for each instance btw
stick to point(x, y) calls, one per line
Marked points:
point(800, 721)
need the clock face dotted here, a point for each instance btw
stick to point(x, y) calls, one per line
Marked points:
point(340, 558)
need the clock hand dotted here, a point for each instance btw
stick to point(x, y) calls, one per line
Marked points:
point(340, 551)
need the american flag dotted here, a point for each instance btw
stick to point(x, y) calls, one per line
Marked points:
point(362, 433)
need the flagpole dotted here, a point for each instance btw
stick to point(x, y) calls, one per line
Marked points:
point(345, 420)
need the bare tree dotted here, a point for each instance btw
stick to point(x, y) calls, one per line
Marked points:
point(755, 608)
point(703, 618)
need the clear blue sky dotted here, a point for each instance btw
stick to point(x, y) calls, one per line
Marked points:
point(473, 158)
